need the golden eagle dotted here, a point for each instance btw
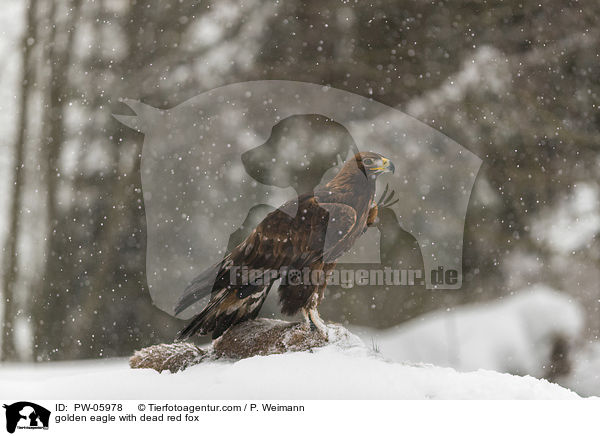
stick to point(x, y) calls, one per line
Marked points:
point(310, 232)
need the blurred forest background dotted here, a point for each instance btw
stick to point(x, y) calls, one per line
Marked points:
point(517, 83)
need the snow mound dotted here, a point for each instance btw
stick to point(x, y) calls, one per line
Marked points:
point(344, 369)
point(517, 335)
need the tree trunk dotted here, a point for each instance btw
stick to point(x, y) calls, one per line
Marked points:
point(10, 255)
point(51, 300)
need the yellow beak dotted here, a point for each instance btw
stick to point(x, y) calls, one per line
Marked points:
point(387, 167)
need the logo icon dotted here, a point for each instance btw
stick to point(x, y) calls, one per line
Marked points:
point(215, 166)
point(26, 415)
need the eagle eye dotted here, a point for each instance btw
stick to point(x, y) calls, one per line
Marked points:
point(368, 161)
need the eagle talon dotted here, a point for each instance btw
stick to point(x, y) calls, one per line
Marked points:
point(319, 323)
point(315, 323)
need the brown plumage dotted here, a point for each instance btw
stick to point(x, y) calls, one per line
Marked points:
point(312, 232)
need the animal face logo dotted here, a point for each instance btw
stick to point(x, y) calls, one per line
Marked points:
point(217, 164)
point(26, 415)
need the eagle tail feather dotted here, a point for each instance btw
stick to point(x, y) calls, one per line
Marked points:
point(211, 279)
point(204, 322)
point(225, 310)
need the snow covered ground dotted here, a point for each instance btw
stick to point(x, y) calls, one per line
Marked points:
point(514, 335)
point(473, 347)
point(343, 370)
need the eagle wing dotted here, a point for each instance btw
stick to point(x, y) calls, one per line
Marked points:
point(302, 233)
point(283, 240)
point(341, 221)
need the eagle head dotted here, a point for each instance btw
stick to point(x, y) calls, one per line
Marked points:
point(374, 163)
